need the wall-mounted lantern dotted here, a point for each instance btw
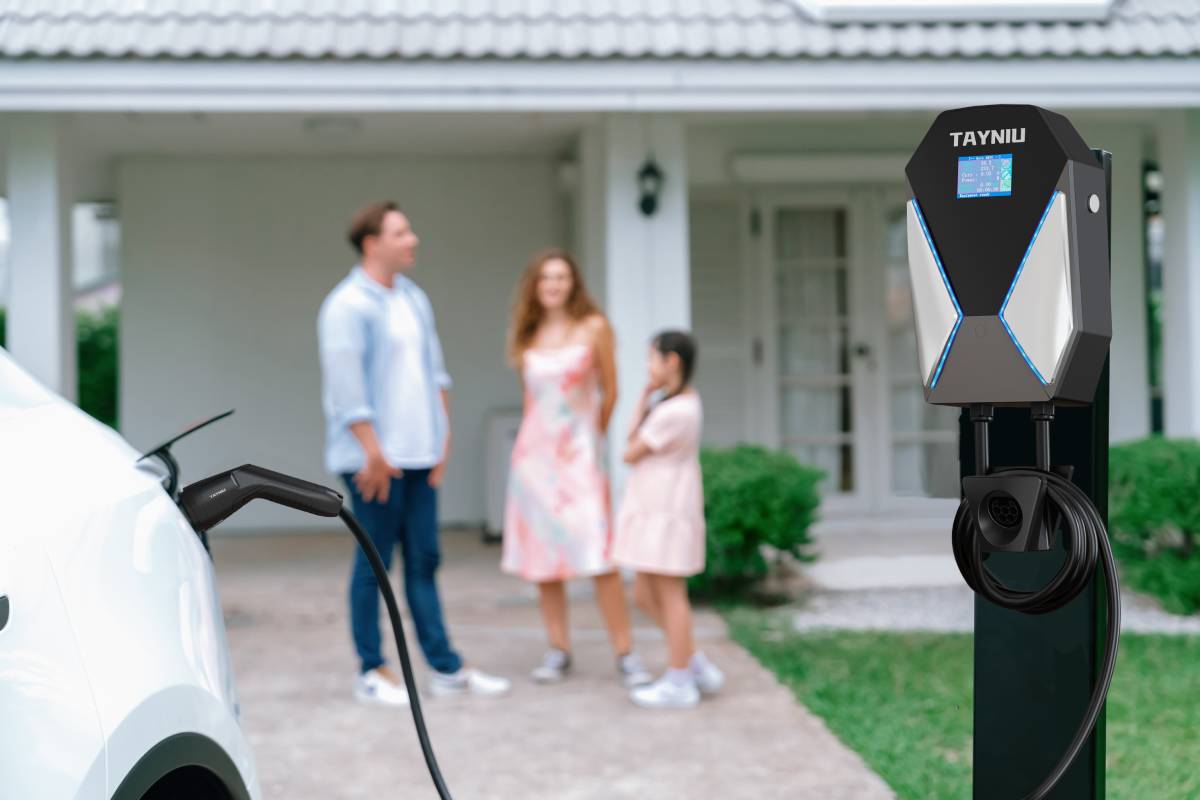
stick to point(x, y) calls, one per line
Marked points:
point(650, 181)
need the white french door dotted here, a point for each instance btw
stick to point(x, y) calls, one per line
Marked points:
point(814, 354)
point(839, 386)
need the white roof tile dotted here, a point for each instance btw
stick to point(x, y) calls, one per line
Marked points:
point(909, 40)
point(543, 40)
point(567, 40)
point(756, 39)
point(787, 41)
point(820, 42)
point(1092, 39)
point(1146, 36)
point(1181, 39)
point(562, 29)
point(667, 40)
point(973, 40)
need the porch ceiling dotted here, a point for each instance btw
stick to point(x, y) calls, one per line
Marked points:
point(98, 140)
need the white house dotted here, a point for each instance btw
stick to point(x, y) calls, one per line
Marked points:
point(235, 138)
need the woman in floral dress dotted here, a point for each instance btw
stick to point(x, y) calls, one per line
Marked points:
point(557, 519)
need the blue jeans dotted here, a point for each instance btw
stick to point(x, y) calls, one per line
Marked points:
point(408, 518)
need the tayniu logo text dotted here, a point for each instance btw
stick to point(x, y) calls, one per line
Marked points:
point(983, 138)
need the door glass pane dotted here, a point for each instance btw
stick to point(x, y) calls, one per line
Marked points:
point(813, 312)
point(819, 349)
point(924, 449)
point(836, 460)
point(815, 412)
point(927, 469)
point(912, 415)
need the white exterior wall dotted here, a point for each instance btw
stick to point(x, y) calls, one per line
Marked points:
point(225, 262)
point(722, 311)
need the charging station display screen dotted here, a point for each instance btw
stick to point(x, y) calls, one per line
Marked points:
point(985, 176)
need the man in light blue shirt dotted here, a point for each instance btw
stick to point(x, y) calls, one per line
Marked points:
point(385, 392)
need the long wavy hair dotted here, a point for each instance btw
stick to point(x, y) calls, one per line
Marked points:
point(527, 311)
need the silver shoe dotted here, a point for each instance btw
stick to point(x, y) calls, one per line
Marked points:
point(709, 679)
point(664, 693)
point(632, 671)
point(554, 667)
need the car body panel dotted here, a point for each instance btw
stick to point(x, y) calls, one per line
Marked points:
point(135, 589)
point(50, 733)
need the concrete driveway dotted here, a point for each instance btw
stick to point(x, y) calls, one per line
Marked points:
point(285, 604)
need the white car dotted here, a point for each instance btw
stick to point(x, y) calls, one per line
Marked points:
point(115, 677)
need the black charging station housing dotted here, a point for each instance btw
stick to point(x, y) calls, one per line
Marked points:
point(981, 244)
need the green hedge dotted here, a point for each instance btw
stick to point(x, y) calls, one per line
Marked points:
point(753, 497)
point(96, 338)
point(1154, 516)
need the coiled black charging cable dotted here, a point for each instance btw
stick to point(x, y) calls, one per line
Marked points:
point(1085, 539)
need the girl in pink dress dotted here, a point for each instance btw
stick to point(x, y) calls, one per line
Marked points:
point(556, 522)
point(660, 530)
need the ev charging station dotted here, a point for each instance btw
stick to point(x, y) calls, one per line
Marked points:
point(1008, 242)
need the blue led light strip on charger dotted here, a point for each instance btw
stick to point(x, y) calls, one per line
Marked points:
point(1053, 196)
point(937, 259)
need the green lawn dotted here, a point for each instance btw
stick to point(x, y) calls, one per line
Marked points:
point(903, 701)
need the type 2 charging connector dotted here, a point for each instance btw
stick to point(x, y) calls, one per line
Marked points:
point(208, 502)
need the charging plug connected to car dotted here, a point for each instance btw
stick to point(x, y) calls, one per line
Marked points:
point(210, 501)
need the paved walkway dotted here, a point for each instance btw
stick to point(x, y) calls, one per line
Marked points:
point(285, 604)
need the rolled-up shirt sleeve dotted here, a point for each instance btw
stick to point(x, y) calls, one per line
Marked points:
point(440, 376)
point(342, 341)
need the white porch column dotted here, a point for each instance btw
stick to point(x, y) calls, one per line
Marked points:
point(645, 265)
point(1129, 384)
point(1180, 163)
point(591, 190)
point(41, 325)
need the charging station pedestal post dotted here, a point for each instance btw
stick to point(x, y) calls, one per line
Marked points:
point(1035, 673)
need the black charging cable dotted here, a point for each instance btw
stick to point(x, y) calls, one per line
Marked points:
point(1086, 540)
point(393, 609)
point(208, 502)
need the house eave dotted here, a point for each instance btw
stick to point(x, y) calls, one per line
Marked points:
point(594, 86)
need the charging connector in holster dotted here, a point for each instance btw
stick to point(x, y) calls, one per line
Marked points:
point(1009, 512)
point(1008, 507)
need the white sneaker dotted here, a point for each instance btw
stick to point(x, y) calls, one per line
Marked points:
point(709, 679)
point(470, 680)
point(632, 671)
point(373, 688)
point(554, 667)
point(665, 693)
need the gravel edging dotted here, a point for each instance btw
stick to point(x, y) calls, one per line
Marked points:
point(951, 609)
